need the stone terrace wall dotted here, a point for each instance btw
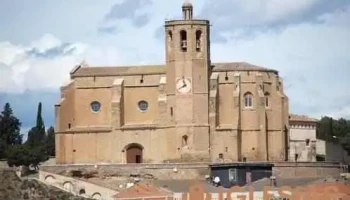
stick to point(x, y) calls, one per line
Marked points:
point(308, 169)
point(194, 170)
point(158, 171)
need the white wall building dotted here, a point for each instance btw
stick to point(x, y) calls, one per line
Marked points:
point(302, 138)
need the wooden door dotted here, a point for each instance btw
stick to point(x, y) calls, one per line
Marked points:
point(134, 154)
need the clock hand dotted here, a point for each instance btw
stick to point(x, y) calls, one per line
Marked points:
point(182, 87)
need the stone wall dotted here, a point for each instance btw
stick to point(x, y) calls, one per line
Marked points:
point(307, 169)
point(192, 171)
point(152, 171)
point(77, 187)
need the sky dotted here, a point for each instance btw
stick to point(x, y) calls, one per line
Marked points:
point(307, 41)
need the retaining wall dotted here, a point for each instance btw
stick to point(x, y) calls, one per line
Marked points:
point(77, 187)
point(194, 170)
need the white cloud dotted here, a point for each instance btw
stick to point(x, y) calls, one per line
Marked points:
point(45, 43)
point(24, 70)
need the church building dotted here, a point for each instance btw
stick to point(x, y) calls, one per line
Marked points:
point(187, 110)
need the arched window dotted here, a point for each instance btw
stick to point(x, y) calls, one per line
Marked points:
point(184, 140)
point(248, 100)
point(170, 36)
point(267, 99)
point(183, 40)
point(82, 191)
point(198, 40)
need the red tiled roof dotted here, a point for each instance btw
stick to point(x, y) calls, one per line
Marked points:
point(142, 190)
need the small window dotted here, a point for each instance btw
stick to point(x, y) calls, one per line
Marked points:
point(82, 191)
point(267, 99)
point(221, 156)
point(232, 174)
point(95, 106)
point(143, 105)
point(248, 100)
point(307, 141)
point(184, 140)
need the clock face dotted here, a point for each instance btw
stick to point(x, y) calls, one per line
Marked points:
point(183, 85)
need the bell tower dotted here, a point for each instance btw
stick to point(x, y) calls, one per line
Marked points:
point(188, 65)
point(187, 48)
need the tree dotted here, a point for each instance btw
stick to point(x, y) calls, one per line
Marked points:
point(50, 142)
point(36, 142)
point(37, 135)
point(335, 130)
point(9, 130)
point(24, 155)
point(18, 155)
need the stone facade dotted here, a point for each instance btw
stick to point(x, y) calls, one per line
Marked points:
point(187, 110)
point(302, 138)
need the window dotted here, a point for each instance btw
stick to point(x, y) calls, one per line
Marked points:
point(82, 191)
point(183, 40)
point(95, 106)
point(143, 105)
point(198, 40)
point(307, 141)
point(221, 156)
point(248, 100)
point(170, 35)
point(267, 99)
point(232, 174)
point(184, 140)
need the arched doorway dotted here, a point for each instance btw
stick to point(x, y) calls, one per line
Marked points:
point(134, 153)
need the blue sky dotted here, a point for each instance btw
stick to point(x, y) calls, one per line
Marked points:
point(308, 41)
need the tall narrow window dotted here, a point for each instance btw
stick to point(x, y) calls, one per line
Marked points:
point(184, 140)
point(170, 36)
point(248, 100)
point(267, 99)
point(198, 40)
point(183, 40)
